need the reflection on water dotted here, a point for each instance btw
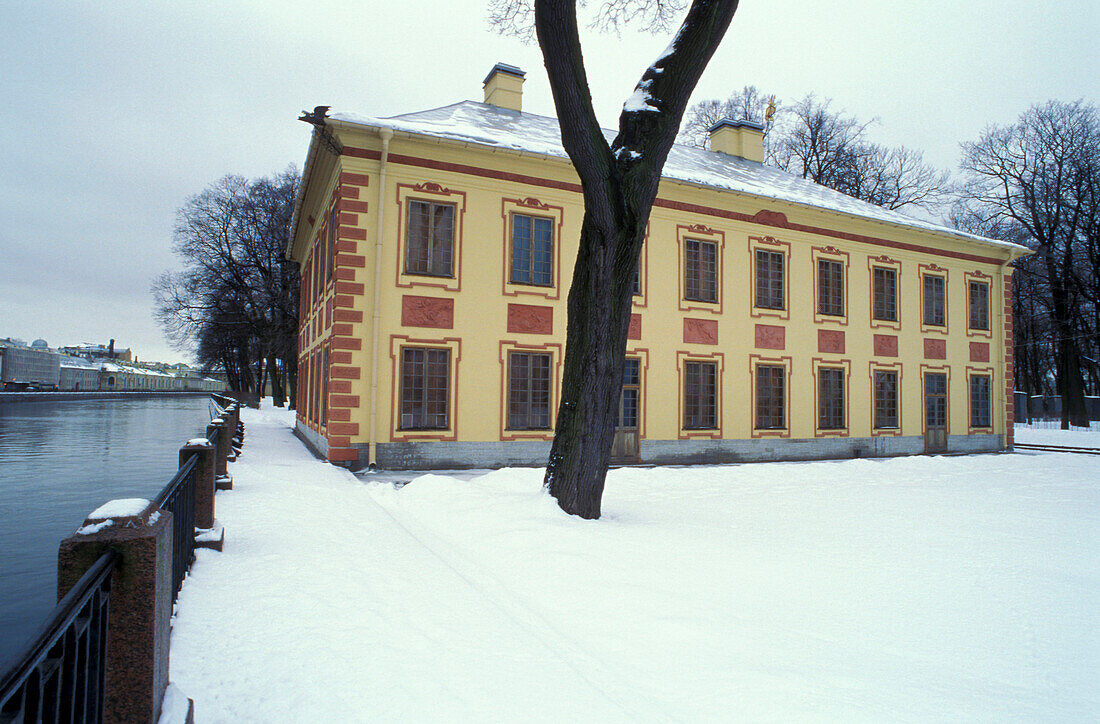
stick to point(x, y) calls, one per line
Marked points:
point(58, 462)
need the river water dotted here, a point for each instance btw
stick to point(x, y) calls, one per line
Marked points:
point(59, 461)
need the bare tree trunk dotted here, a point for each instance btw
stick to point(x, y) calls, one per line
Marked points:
point(619, 183)
point(599, 317)
point(278, 397)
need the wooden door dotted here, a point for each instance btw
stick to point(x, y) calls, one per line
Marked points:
point(625, 447)
point(935, 412)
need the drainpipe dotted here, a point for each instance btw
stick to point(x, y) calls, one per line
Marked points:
point(1005, 350)
point(376, 321)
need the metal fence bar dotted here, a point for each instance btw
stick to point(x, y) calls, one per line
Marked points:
point(178, 498)
point(60, 676)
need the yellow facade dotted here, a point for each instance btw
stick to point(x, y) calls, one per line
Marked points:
point(360, 309)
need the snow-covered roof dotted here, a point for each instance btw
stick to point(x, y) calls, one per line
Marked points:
point(487, 125)
point(78, 363)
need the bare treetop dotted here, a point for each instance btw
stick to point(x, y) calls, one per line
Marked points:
point(517, 17)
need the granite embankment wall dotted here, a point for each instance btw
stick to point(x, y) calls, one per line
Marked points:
point(61, 396)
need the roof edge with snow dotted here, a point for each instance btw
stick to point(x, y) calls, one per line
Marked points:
point(478, 124)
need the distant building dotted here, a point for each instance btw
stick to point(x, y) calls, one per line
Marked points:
point(28, 368)
point(79, 374)
point(99, 351)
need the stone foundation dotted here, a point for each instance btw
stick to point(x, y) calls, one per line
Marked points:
point(524, 453)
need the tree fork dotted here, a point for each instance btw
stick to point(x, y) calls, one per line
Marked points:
point(619, 184)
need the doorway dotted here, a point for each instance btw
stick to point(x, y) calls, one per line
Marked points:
point(625, 447)
point(935, 412)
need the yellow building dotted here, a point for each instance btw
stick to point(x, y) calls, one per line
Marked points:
point(773, 318)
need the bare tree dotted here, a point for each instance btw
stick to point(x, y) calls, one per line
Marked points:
point(895, 178)
point(235, 302)
point(748, 104)
point(619, 184)
point(811, 140)
point(1040, 175)
point(821, 144)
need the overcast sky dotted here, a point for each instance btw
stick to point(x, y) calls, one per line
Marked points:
point(116, 111)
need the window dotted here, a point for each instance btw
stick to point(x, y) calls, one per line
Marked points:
point(318, 259)
point(430, 239)
point(979, 401)
point(528, 391)
point(316, 387)
point(333, 219)
point(830, 399)
point(935, 395)
point(305, 288)
point(830, 287)
point(700, 270)
point(532, 250)
point(324, 386)
point(885, 294)
point(425, 388)
point(636, 285)
point(979, 305)
point(770, 397)
point(886, 400)
point(935, 301)
point(700, 395)
point(769, 279)
point(628, 401)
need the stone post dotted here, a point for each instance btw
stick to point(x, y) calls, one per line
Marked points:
point(233, 422)
point(222, 479)
point(208, 533)
point(139, 624)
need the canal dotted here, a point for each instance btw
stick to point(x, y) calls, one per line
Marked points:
point(59, 460)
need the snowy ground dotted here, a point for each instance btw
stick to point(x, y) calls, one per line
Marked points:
point(915, 589)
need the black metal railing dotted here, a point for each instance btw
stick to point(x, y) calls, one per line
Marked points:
point(178, 498)
point(60, 675)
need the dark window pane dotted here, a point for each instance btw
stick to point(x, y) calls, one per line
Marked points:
point(886, 400)
point(830, 287)
point(429, 242)
point(830, 399)
point(979, 401)
point(628, 410)
point(324, 387)
point(935, 397)
point(769, 279)
point(771, 397)
point(700, 270)
point(532, 250)
point(935, 302)
point(542, 264)
point(700, 396)
point(979, 305)
point(521, 249)
point(631, 367)
point(528, 391)
point(886, 294)
point(333, 228)
point(425, 394)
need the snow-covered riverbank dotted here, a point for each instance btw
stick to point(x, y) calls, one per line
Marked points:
point(906, 589)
